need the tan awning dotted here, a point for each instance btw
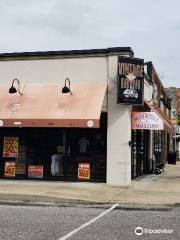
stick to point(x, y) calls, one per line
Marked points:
point(43, 105)
point(166, 123)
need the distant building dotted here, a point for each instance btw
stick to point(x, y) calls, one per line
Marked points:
point(174, 94)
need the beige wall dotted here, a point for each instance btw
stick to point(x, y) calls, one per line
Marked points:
point(54, 70)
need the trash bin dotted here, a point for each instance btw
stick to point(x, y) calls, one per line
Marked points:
point(172, 157)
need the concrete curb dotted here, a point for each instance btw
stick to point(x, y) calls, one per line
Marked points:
point(43, 199)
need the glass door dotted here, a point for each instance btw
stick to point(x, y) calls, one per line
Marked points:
point(139, 152)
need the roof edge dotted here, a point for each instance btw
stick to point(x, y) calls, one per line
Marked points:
point(108, 51)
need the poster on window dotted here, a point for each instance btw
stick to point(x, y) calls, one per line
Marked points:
point(35, 171)
point(10, 169)
point(146, 120)
point(83, 171)
point(10, 149)
point(130, 81)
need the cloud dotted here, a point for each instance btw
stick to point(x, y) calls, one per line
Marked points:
point(151, 28)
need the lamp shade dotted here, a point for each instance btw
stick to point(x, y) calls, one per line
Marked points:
point(12, 90)
point(65, 89)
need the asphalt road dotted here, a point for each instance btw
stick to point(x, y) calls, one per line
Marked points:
point(52, 222)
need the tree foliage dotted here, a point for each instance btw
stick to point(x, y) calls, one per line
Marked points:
point(178, 120)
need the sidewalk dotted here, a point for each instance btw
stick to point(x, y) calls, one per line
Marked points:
point(149, 189)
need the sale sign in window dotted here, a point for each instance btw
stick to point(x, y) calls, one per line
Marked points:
point(10, 169)
point(10, 147)
point(35, 171)
point(83, 171)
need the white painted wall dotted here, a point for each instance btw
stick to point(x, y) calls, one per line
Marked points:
point(148, 89)
point(118, 134)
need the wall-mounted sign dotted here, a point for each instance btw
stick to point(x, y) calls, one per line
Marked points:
point(10, 149)
point(10, 169)
point(130, 81)
point(35, 171)
point(83, 171)
point(146, 120)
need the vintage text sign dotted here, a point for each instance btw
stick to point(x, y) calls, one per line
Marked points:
point(130, 81)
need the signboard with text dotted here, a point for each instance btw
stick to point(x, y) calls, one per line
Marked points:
point(130, 81)
point(146, 120)
point(35, 171)
point(10, 169)
point(83, 171)
point(10, 149)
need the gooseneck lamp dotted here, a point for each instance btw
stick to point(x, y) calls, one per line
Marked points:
point(66, 89)
point(12, 89)
point(166, 101)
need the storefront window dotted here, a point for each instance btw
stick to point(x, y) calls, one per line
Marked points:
point(160, 145)
point(56, 153)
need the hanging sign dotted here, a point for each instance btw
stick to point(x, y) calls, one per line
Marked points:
point(10, 169)
point(130, 81)
point(35, 171)
point(83, 171)
point(146, 120)
point(10, 147)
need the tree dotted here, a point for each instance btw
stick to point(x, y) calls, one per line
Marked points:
point(178, 120)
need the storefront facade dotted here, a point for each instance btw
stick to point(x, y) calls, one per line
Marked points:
point(85, 136)
point(151, 142)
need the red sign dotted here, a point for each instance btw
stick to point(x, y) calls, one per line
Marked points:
point(35, 171)
point(84, 171)
point(10, 147)
point(10, 169)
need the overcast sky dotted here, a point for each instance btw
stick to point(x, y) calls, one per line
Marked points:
point(151, 28)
